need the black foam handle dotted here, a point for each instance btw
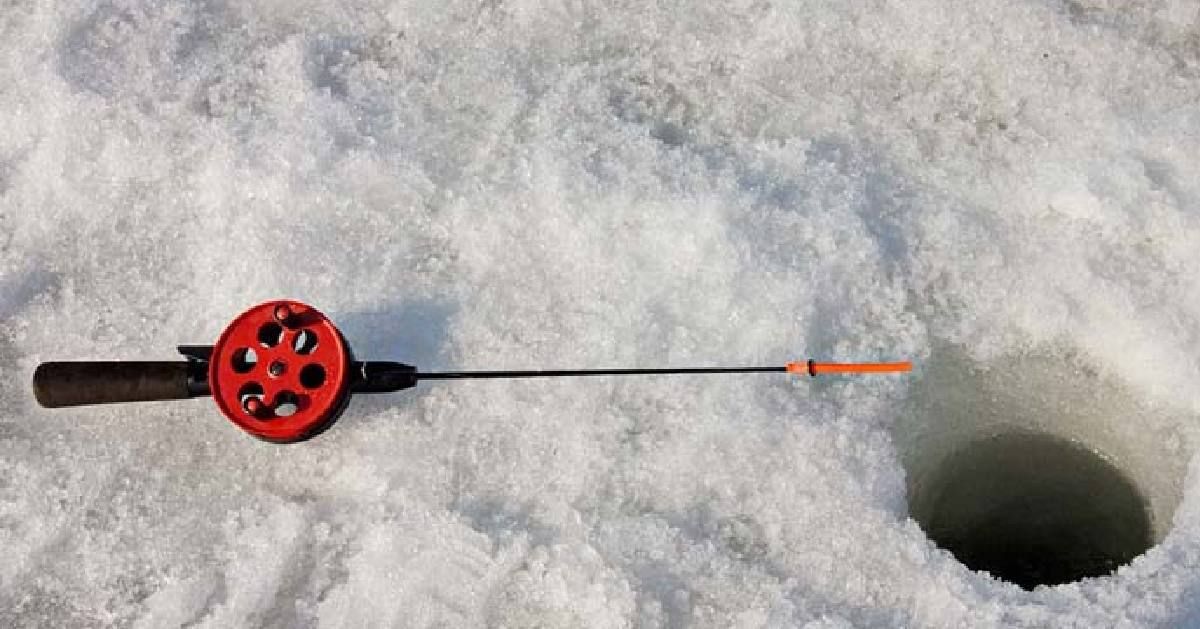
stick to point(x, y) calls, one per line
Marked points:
point(60, 384)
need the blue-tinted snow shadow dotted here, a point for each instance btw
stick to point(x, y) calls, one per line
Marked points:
point(18, 292)
point(1190, 615)
point(413, 332)
point(1189, 609)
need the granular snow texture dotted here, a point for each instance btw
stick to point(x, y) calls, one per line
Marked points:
point(574, 183)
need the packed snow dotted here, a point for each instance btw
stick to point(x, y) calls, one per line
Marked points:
point(977, 186)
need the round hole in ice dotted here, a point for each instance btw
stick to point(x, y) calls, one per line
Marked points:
point(1037, 468)
point(1033, 509)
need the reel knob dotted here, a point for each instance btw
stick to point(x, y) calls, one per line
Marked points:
point(281, 371)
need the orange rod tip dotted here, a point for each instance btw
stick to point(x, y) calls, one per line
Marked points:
point(898, 367)
point(813, 368)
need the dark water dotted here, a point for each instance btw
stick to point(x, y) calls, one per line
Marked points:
point(1033, 510)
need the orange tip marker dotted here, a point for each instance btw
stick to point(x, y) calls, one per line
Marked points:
point(813, 368)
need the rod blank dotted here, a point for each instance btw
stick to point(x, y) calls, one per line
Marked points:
point(810, 367)
point(561, 373)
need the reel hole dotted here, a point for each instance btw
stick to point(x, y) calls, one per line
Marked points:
point(270, 334)
point(286, 404)
point(305, 342)
point(244, 360)
point(250, 391)
point(312, 376)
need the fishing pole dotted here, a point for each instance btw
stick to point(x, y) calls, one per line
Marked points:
point(283, 372)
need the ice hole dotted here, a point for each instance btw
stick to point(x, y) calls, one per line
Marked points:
point(1036, 468)
point(1033, 509)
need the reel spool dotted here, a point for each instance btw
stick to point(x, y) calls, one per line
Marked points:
point(281, 371)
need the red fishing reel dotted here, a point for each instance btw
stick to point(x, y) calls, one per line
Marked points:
point(281, 371)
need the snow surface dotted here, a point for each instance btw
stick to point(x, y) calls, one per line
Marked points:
point(512, 184)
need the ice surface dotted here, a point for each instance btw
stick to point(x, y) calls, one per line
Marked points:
point(573, 183)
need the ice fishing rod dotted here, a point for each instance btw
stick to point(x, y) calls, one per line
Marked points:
point(283, 372)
